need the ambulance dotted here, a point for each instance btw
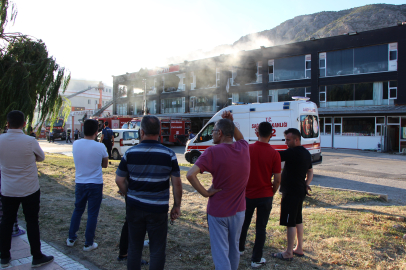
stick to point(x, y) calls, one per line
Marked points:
point(299, 113)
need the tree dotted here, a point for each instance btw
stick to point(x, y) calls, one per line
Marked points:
point(29, 79)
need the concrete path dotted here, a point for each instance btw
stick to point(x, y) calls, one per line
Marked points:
point(21, 257)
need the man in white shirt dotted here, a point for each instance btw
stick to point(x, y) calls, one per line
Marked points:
point(20, 185)
point(89, 157)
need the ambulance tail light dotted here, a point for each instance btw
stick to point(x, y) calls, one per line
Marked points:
point(121, 142)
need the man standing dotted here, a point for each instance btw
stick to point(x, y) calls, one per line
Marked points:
point(107, 138)
point(191, 135)
point(89, 157)
point(229, 163)
point(68, 139)
point(143, 175)
point(294, 187)
point(76, 134)
point(51, 136)
point(265, 163)
point(20, 185)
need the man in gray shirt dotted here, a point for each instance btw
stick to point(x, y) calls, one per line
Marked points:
point(20, 185)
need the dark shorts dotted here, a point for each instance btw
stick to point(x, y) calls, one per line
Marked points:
point(291, 210)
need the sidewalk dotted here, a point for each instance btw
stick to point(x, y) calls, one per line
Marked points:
point(21, 257)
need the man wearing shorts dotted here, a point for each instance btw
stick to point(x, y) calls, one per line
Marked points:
point(296, 177)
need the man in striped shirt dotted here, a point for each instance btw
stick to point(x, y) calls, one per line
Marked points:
point(143, 175)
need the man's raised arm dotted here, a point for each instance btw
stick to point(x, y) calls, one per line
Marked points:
point(237, 133)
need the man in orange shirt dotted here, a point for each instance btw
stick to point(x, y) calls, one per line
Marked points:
point(265, 163)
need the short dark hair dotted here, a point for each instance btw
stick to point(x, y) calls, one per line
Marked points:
point(15, 119)
point(264, 129)
point(106, 124)
point(226, 126)
point(90, 127)
point(150, 125)
point(295, 132)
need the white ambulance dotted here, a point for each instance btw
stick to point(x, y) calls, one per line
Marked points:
point(300, 114)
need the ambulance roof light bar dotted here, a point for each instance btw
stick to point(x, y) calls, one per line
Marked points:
point(301, 98)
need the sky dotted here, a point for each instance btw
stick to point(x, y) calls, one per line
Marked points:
point(95, 39)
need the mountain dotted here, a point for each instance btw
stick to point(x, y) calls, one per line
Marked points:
point(329, 23)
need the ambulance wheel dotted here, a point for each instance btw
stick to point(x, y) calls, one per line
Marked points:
point(194, 157)
point(116, 154)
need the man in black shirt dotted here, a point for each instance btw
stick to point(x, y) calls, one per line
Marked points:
point(294, 187)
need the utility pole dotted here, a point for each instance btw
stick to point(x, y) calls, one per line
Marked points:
point(145, 96)
point(100, 87)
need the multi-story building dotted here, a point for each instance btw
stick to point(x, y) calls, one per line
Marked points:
point(358, 81)
point(87, 101)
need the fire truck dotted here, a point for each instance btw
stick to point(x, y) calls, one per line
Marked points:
point(58, 129)
point(174, 131)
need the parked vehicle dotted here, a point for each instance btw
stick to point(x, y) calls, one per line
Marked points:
point(124, 139)
point(300, 114)
point(58, 129)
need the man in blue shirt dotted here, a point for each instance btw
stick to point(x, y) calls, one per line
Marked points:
point(107, 138)
point(143, 175)
point(191, 135)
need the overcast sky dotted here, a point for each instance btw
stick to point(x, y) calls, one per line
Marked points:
point(97, 39)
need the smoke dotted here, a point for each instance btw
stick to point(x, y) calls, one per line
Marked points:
point(246, 43)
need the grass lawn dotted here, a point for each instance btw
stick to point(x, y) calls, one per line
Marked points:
point(343, 230)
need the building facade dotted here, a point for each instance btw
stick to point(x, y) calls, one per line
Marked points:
point(358, 81)
point(87, 101)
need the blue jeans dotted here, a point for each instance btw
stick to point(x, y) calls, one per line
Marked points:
point(92, 193)
point(156, 224)
point(224, 238)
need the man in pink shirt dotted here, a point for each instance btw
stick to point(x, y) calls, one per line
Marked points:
point(229, 164)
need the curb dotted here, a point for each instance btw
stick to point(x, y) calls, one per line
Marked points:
point(380, 195)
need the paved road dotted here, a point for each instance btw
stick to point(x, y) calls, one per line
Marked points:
point(349, 169)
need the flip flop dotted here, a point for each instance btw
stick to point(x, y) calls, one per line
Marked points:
point(298, 254)
point(20, 232)
point(280, 256)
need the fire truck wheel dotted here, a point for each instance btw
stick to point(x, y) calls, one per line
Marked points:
point(194, 157)
point(116, 154)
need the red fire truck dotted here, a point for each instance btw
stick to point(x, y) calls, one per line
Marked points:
point(173, 130)
point(58, 129)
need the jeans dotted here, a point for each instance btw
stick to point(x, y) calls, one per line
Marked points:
point(264, 207)
point(224, 236)
point(31, 204)
point(156, 224)
point(93, 194)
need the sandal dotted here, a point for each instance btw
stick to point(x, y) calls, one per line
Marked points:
point(279, 256)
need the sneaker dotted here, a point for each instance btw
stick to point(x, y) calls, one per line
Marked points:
point(20, 232)
point(70, 242)
point(89, 248)
point(146, 243)
point(5, 262)
point(258, 264)
point(44, 260)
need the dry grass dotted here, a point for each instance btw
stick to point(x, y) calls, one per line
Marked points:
point(343, 230)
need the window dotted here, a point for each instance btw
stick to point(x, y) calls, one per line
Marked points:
point(259, 72)
point(287, 94)
point(364, 91)
point(206, 134)
point(290, 68)
point(322, 94)
point(362, 126)
point(270, 70)
point(308, 92)
point(309, 126)
point(129, 135)
point(393, 56)
point(217, 77)
point(88, 101)
point(251, 97)
point(322, 64)
point(95, 102)
point(173, 105)
point(362, 60)
point(390, 90)
point(308, 66)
